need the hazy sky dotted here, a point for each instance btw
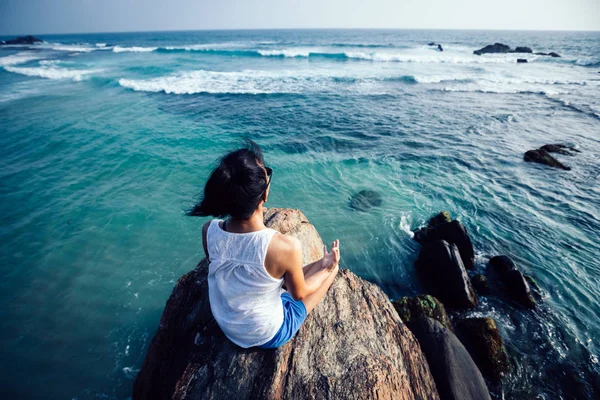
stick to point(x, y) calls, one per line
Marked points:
point(71, 16)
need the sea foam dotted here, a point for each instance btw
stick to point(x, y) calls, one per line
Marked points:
point(51, 72)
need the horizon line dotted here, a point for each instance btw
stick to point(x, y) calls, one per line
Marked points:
point(298, 29)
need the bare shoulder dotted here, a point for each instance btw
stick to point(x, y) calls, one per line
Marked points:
point(285, 244)
point(284, 252)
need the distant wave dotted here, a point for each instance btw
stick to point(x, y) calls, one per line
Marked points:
point(73, 48)
point(134, 49)
point(19, 58)
point(51, 73)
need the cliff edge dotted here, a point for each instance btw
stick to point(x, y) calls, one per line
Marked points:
point(353, 345)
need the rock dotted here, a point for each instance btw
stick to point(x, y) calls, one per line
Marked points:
point(364, 200)
point(482, 339)
point(553, 54)
point(502, 265)
point(452, 232)
point(560, 149)
point(493, 48)
point(480, 284)
point(522, 49)
point(23, 40)
point(521, 60)
point(440, 48)
point(532, 282)
point(440, 266)
point(439, 219)
point(518, 289)
point(456, 374)
point(353, 345)
point(421, 306)
point(431, 44)
point(543, 157)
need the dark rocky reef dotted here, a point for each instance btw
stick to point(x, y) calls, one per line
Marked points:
point(551, 54)
point(502, 48)
point(456, 374)
point(422, 306)
point(353, 345)
point(22, 40)
point(483, 341)
point(514, 282)
point(440, 266)
point(522, 49)
point(543, 156)
point(521, 61)
point(364, 200)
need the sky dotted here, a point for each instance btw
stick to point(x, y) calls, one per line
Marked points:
point(79, 16)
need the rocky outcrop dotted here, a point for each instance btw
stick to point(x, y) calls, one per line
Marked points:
point(353, 344)
point(551, 54)
point(493, 48)
point(560, 149)
point(456, 375)
point(441, 227)
point(441, 268)
point(23, 40)
point(483, 341)
point(542, 156)
point(522, 49)
point(480, 284)
point(421, 306)
point(514, 282)
point(364, 200)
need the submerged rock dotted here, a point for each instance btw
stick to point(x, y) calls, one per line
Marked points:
point(353, 344)
point(522, 49)
point(441, 267)
point(480, 284)
point(560, 149)
point(440, 48)
point(23, 40)
point(518, 289)
point(521, 60)
point(493, 48)
point(423, 305)
point(502, 265)
point(364, 200)
point(542, 156)
point(551, 54)
point(482, 339)
point(456, 374)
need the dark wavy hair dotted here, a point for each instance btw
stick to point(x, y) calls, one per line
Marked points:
point(235, 186)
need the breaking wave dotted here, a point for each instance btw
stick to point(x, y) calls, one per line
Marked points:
point(52, 72)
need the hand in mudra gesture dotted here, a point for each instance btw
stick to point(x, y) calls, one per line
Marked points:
point(331, 259)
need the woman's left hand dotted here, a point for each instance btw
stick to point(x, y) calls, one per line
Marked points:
point(331, 259)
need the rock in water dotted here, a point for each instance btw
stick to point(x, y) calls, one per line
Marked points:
point(440, 48)
point(560, 149)
point(364, 200)
point(23, 40)
point(518, 289)
point(553, 54)
point(493, 48)
point(543, 157)
point(440, 266)
point(439, 219)
point(522, 49)
point(456, 375)
point(480, 284)
point(521, 61)
point(482, 339)
point(502, 265)
point(431, 44)
point(452, 232)
point(421, 306)
point(353, 344)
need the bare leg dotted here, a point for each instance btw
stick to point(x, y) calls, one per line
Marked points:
point(312, 300)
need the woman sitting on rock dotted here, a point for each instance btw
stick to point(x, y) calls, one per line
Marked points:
point(249, 263)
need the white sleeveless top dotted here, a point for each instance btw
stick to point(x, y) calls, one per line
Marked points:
point(244, 299)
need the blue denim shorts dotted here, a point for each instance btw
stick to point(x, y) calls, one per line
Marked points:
point(294, 314)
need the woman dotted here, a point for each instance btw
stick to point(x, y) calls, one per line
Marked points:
point(249, 263)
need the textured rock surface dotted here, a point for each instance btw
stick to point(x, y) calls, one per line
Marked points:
point(456, 374)
point(518, 289)
point(483, 341)
point(542, 156)
point(441, 268)
point(421, 306)
point(453, 232)
point(353, 345)
point(480, 284)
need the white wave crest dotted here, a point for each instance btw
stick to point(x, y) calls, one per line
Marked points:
point(134, 49)
point(19, 58)
point(291, 53)
point(100, 44)
point(73, 48)
point(52, 73)
point(430, 59)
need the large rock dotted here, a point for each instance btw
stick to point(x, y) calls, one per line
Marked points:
point(23, 40)
point(439, 228)
point(421, 306)
point(456, 375)
point(522, 49)
point(493, 48)
point(364, 200)
point(515, 283)
point(480, 284)
point(542, 156)
point(440, 266)
point(560, 149)
point(481, 337)
point(502, 265)
point(353, 344)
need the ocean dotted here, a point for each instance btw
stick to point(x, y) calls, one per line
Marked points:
point(106, 139)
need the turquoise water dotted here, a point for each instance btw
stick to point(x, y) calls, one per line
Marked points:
point(106, 139)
